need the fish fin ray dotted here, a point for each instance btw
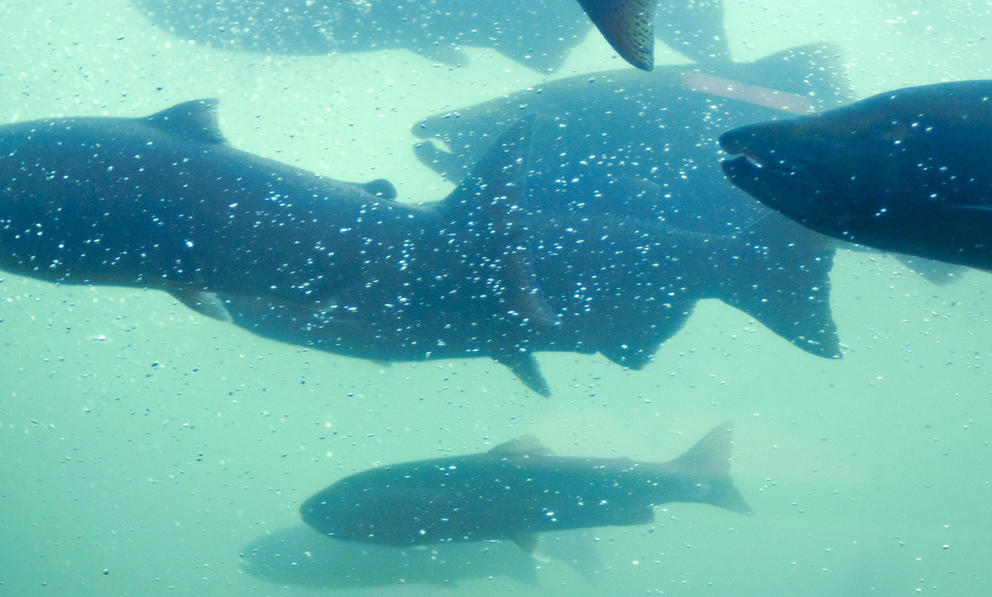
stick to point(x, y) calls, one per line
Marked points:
point(641, 341)
point(935, 272)
point(443, 162)
point(975, 208)
point(641, 516)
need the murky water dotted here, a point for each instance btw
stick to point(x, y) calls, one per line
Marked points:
point(147, 450)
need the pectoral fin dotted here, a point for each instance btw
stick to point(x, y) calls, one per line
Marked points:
point(486, 214)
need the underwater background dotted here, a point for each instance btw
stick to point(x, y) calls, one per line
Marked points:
point(148, 450)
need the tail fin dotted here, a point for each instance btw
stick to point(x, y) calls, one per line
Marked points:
point(484, 221)
point(628, 25)
point(710, 459)
point(780, 275)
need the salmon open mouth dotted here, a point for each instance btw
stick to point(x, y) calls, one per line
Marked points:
point(786, 185)
point(765, 179)
point(751, 162)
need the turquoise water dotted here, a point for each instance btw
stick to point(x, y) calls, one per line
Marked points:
point(144, 447)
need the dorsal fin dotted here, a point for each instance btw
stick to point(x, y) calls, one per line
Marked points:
point(195, 120)
point(816, 71)
point(525, 445)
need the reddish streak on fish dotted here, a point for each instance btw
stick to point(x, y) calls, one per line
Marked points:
point(752, 94)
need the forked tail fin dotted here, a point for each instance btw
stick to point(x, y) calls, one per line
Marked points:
point(780, 275)
point(710, 460)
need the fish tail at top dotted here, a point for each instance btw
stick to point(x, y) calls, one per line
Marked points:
point(628, 26)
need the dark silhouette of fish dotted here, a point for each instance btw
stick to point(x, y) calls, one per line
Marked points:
point(620, 266)
point(618, 284)
point(535, 33)
point(516, 490)
point(659, 157)
point(163, 202)
point(658, 162)
point(299, 556)
point(902, 171)
point(599, 137)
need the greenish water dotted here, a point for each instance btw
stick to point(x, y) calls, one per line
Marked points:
point(143, 447)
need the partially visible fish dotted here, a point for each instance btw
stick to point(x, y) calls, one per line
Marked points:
point(164, 202)
point(300, 556)
point(600, 134)
point(536, 33)
point(905, 171)
point(629, 230)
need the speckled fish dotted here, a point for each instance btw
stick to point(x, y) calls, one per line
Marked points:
point(620, 266)
point(599, 136)
point(657, 164)
point(164, 202)
point(515, 491)
point(617, 284)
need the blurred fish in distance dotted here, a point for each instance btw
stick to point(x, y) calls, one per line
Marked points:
point(536, 33)
point(300, 556)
